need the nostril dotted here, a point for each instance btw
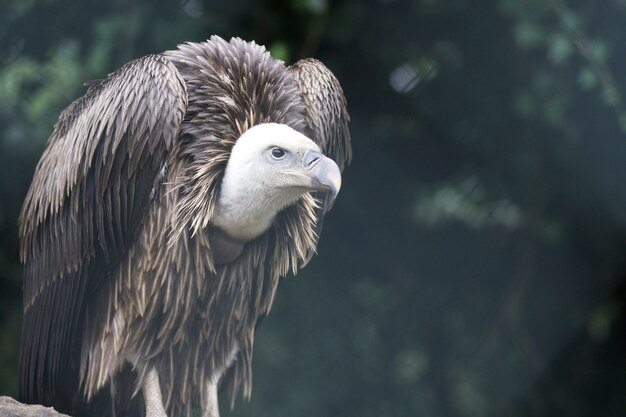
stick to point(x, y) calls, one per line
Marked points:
point(310, 158)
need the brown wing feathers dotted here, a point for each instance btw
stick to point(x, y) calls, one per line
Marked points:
point(327, 120)
point(326, 109)
point(89, 192)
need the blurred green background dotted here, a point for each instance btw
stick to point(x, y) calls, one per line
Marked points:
point(474, 264)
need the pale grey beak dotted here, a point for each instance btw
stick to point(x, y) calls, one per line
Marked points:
point(325, 175)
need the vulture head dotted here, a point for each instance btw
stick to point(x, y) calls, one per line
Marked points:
point(270, 167)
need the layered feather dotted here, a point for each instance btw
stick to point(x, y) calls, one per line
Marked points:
point(83, 210)
point(116, 228)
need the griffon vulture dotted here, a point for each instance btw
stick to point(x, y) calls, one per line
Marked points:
point(167, 204)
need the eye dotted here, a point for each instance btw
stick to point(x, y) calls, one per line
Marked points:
point(278, 153)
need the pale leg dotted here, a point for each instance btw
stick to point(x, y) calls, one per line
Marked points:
point(152, 395)
point(211, 408)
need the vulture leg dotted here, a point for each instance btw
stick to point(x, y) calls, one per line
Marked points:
point(211, 408)
point(152, 395)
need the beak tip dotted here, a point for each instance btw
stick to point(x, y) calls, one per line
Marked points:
point(329, 201)
point(327, 178)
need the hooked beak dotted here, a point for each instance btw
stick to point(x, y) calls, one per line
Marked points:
point(325, 176)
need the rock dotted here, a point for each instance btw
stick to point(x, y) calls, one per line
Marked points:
point(12, 408)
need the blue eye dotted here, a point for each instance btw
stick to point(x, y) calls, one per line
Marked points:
point(278, 153)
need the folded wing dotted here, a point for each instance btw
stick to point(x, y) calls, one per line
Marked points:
point(326, 116)
point(83, 210)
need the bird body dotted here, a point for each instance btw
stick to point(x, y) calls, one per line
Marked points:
point(168, 202)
